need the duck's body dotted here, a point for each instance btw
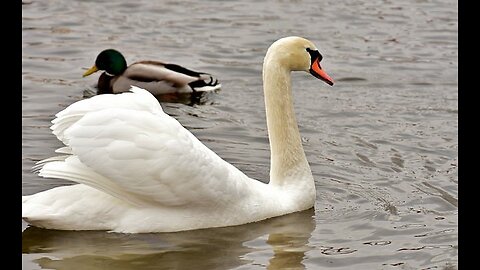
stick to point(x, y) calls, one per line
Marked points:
point(156, 77)
point(139, 170)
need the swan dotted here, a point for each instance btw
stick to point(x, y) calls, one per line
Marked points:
point(156, 77)
point(139, 170)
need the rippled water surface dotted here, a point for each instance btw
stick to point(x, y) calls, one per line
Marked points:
point(382, 143)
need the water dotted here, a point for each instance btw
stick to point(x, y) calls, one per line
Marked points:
point(382, 143)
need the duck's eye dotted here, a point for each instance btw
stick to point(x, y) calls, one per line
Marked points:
point(314, 54)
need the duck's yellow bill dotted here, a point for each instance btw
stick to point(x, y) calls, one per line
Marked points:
point(90, 71)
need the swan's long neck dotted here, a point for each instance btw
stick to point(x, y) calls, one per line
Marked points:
point(288, 160)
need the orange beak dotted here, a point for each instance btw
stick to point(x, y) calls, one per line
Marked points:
point(317, 71)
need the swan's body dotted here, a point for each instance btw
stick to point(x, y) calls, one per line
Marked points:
point(139, 170)
point(156, 77)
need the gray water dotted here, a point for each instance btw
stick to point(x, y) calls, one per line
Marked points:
point(382, 142)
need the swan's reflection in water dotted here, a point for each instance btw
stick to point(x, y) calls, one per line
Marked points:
point(287, 237)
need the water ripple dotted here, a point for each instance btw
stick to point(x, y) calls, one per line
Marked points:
point(382, 143)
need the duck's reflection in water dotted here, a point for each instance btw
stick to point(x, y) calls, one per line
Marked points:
point(218, 248)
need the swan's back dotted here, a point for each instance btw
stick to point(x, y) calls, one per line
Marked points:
point(142, 151)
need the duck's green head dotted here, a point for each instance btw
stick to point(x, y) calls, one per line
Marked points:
point(112, 61)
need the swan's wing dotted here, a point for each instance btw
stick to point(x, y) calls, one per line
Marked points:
point(142, 154)
point(137, 99)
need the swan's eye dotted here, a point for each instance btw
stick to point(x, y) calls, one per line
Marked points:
point(314, 54)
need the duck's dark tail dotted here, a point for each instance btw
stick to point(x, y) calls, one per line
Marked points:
point(205, 83)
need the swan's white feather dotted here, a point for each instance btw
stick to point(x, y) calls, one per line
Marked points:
point(143, 151)
point(64, 150)
point(137, 99)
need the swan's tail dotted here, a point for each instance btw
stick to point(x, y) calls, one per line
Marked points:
point(71, 168)
point(45, 209)
point(62, 208)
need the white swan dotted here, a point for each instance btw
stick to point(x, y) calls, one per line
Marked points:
point(140, 171)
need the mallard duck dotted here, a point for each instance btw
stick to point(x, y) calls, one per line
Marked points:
point(139, 170)
point(156, 77)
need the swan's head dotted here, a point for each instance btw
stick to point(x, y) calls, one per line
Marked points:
point(298, 54)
